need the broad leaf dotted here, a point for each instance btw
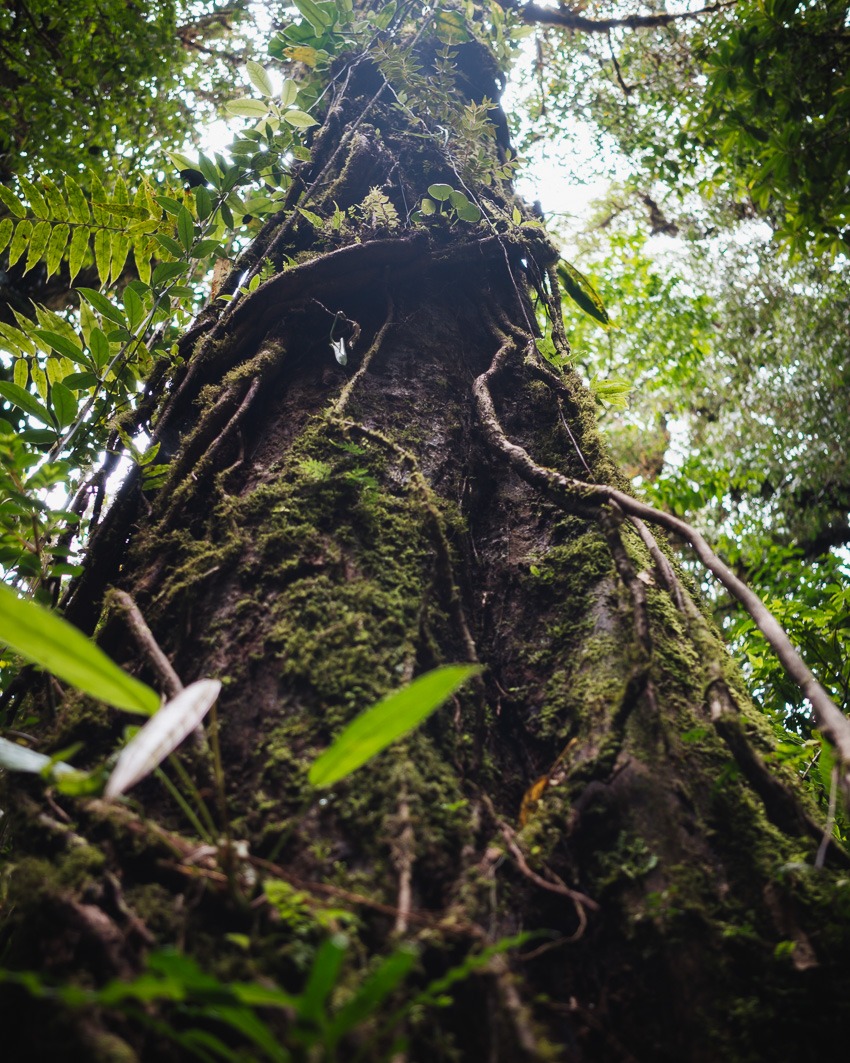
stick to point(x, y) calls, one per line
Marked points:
point(259, 78)
point(386, 721)
point(46, 639)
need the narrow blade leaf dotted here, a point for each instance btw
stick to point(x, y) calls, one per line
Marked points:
point(387, 720)
point(161, 735)
point(51, 642)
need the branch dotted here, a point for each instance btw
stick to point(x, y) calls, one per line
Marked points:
point(564, 18)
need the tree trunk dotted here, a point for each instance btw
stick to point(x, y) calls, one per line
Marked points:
point(327, 533)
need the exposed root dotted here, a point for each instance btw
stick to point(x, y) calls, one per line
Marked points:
point(341, 402)
point(553, 884)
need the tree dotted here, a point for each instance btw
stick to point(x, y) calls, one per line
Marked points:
point(371, 470)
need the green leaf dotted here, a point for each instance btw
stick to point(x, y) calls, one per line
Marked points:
point(12, 202)
point(185, 228)
point(167, 271)
point(62, 345)
point(104, 306)
point(27, 402)
point(613, 390)
point(7, 227)
point(99, 347)
point(133, 308)
point(299, 119)
point(289, 93)
point(77, 250)
point(428, 206)
point(451, 27)
point(259, 78)
point(440, 192)
point(77, 202)
point(64, 404)
point(119, 248)
point(385, 15)
point(38, 243)
point(102, 254)
point(37, 202)
point(582, 292)
point(312, 218)
point(20, 240)
point(181, 162)
point(468, 212)
point(56, 246)
point(247, 107)
point(47, 640)
point(318, 19)
point(386, 721)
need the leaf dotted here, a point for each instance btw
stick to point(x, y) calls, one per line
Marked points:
point(77, 250)
point(246, 107)
point(385, 15)
point(318, 19)
point(79, 208)
point(62, 345)
point(47, 640)
point(468, 212)
point(12, 202)
point(7, 227)
point(18, 758)
point(299, 119)
point(428, 206)
point(19, 240)
point(37, 202)
point(103, 305)
point(161, 735)
point(289, 93)
point(440, 192)
point(302, 54)
point(119, 248)
point(55, 200)
point(613, 390)
point(56, 247)
point(27, 402)
point(64, 404)
point(167, 271)
point(387, 720)
point(133, 307)
point(99, 347)
point(312, 218)
point(259, 78)
point(37, 244)
point(181, 162)
point(102, 254)
point(185, 228)
point(582, 292)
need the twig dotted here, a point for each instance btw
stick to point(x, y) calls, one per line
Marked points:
point(147, 643)
point(566, 18)
point(830, 820)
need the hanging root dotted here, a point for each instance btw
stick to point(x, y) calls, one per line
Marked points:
point(589, 500)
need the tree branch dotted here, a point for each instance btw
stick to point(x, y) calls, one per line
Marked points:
point(565, 18)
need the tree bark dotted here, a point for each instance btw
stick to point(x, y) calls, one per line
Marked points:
point(328, 532)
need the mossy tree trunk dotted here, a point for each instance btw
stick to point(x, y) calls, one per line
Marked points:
point(328, 532)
